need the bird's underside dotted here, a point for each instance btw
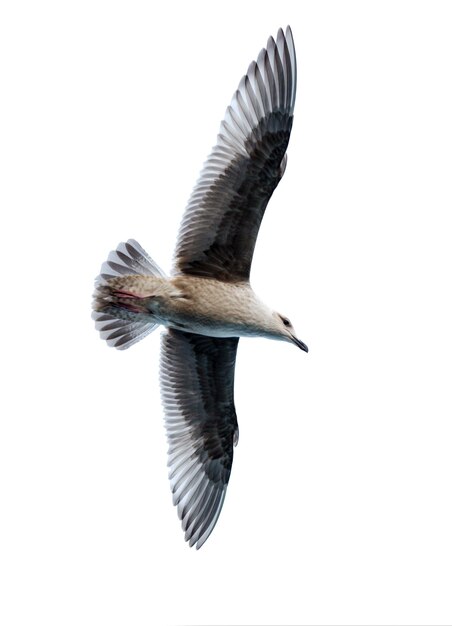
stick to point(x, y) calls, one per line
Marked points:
point(215, 243)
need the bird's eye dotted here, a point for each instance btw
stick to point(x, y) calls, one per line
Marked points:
point(285, 321)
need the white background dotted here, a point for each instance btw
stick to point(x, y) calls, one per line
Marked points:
point(339, 506)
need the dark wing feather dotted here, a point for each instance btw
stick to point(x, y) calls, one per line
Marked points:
point(219, 229)
point(197, 384)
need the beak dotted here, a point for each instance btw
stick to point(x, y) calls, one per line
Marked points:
point(300, 344)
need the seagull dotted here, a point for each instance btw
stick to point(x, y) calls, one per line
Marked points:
point(207, 303)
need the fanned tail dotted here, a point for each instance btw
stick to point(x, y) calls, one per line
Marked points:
point(119, 312)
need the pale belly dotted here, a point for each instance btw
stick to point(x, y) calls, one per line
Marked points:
point(211, 328)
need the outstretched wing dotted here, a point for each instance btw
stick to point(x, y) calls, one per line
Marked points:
point(197, 384)
point(220, 225)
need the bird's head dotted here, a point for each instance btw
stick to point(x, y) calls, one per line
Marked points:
point(286, 332)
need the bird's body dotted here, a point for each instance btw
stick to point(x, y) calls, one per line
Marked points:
point(204, 306)
point(207, 303)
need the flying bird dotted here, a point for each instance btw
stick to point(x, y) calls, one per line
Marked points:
point(207, 303)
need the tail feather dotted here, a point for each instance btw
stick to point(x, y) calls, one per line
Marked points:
point(121, 326)
point(128, 258)
point(119, 333)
